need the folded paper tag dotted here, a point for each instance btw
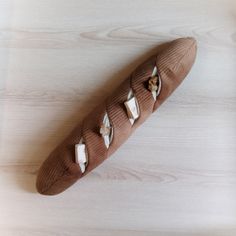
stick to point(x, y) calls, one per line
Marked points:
point(154, 72)
point(106, 130)
point(81, 155)
point(132, 107)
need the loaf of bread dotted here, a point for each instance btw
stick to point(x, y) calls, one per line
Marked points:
point(111, 123)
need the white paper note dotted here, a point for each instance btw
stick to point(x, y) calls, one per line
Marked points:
point(132, 107)
point(81, 156)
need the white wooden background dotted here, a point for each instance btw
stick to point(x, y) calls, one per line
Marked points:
point(176, 176)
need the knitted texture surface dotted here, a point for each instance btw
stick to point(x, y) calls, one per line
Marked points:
point(59, 171)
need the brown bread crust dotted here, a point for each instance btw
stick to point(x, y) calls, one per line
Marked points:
point(59, 171)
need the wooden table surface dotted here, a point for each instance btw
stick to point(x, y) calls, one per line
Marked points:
point(176, 176)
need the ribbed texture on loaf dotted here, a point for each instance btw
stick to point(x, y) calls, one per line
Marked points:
point(60, 171)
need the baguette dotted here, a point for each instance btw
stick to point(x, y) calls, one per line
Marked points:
point(111, 123)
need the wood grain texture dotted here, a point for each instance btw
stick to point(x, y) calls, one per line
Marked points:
point(176, 175)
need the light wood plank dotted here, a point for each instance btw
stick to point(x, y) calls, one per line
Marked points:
point(175, 176)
